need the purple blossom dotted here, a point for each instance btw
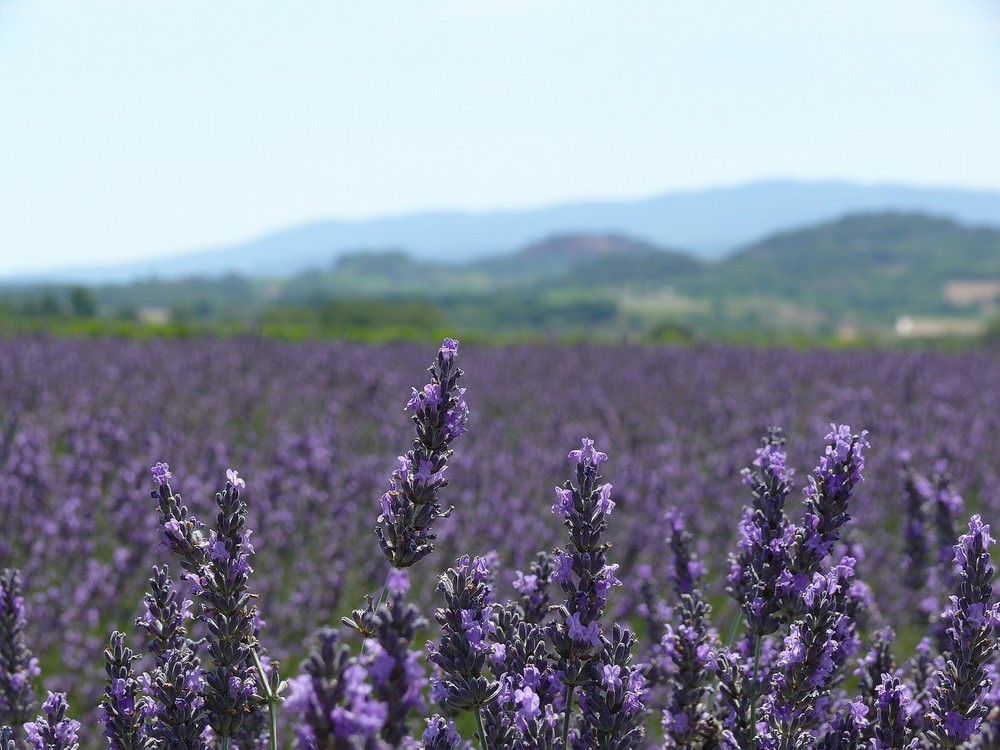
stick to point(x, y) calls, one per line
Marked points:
point(17, 665)
point(756, 570)
point(54, 730)
point(233, 477)
point(124, 722)
point(529, 704)
point(589, 633)
point(410, 507)
point(440, 735)
point(957, 706)
point(161, 473)
point(218, 564)
point(588, 455)
point(611, 676)
point(461, 654)
point(449, 348)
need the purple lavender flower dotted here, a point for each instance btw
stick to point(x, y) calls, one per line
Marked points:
point(334, 703)
point(611, 698)
point(17, 665)
point(848, 728)
point(827, 493)
point(738, 690)
point(397, 677)
point(876, 664)
point(441, 735)
point(809, 666)
point(462, 652)
point(534, 587)
point(755, 572)
point(218, 565)
point(54, 730)
point(945, 505)
point(121, 709)
point(163, 617)
point(687, 652)
point(893, 728)
point(916, 559)
point(920, 678)
point(524, 716)
point(582, 571)
point(179, 719)
point(161, 473)
point(173, 702)
point(610, 717)
point(411, 505)
point(957, 707)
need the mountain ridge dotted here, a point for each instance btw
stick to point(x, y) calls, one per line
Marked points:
point(707, 223)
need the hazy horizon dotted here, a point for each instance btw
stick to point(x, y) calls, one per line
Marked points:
point(134, 132)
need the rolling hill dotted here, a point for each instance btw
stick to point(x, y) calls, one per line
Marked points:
point(862, 272)
point(709, 224)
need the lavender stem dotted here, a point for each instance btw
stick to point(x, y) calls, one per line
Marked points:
point(479, 727)
point(753, 694)
point(270, 697)
point(569, 712)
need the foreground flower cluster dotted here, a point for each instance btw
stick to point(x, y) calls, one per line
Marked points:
point(554, 666)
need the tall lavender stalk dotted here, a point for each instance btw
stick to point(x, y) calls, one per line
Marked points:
point(892, 727)
point(121, 708)
point(756, 570)
point(688, 649)
point(411, 506)
point(17, 665)
point(177, 718)
point(397, 676)
point(808, 667)
point(461, 655)
point(218, 564)
point(609, 685)
point(957, 707)
point(916, 558)
point(827, 494)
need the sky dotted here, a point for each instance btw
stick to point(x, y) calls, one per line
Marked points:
point(132, 130)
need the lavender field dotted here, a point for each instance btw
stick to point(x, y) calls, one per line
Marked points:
point(314, 431)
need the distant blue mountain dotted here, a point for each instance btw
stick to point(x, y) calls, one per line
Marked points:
point(707, 223)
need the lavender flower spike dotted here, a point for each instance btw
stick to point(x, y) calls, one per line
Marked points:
point(219, 565)
point(17, 665)
point(958, 708)
point(755, 572)
point(411, 505)
point(827, 493)
point(464, 646)
point(54, 730)
point(893, 729)
point(687, 649)
point(124, 724)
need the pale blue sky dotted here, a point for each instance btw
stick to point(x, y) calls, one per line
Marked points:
point(139, 128)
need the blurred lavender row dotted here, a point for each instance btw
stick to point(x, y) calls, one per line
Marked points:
point(315, 428)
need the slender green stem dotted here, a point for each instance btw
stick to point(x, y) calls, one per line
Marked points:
point(270, 697)
point(733, 628)
point(225, 742)
point(479, 727)
point(569, 711)
point(753, 694)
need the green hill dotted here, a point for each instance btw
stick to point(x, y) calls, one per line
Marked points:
point(872, 273)
point(867, 269)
